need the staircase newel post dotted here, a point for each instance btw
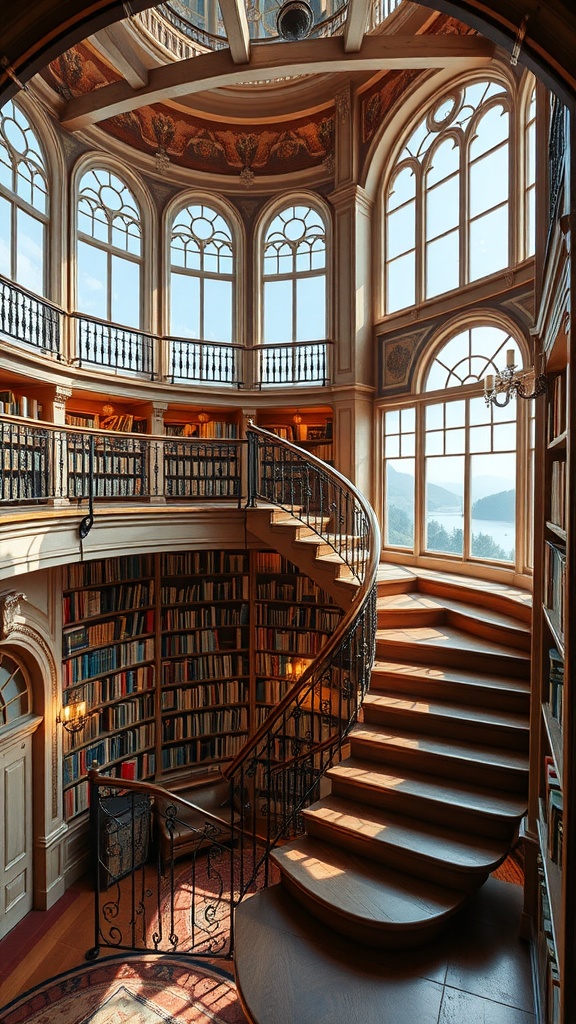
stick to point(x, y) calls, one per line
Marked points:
point(252, 468)
point(94, 804)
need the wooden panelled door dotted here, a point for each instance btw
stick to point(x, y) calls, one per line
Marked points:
point(16, 838)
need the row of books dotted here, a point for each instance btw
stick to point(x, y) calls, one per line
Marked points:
point(109, 570)
point(105, 659)
point(202, 695)
point(204, 723)
point(204, 668)
point(233, 589)
point(216, 748)
point(557, 408)
point(225, 487)
point(298, 616)
point(558, 494)
point(193, 469)
point(270, 691)
point(200, 641)
point(280, 665)
point(19, 405)
point(556, 684)
point(106, 485)
point(114, 687)
point(556, 585)
point(296, 641)
point(205, 615)
point(76, 796)
point(552, 978)
point(108, 748)
point(192, 563)
point(554, 806)
point(297, 589)
point(121, 627)
point(87, 604)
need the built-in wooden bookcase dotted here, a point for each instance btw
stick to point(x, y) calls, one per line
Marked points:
point(105, 414)
point(198, 422)
point(311, 429)
point(551, 877)
point(179, 657)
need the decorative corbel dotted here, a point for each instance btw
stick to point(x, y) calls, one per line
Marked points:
point(9, 609)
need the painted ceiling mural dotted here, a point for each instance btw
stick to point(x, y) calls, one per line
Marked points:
point(176, 136)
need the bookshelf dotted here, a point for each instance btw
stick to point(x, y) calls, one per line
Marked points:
point(551, 871)
point(311, 429)
point(219, 424)
point(179, 656)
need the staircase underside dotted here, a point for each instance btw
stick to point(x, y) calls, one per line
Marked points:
point(425, 806)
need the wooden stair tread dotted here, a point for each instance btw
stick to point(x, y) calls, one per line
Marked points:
point(452, 793)
point(477, 753)
point(391, 702)
point(416, 601)
point(434, 674)
point(361, 889)
point(448, 637)
point(381, 826)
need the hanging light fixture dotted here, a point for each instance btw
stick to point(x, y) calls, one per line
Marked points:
point(295, 20)
point(73, 717)
point(505, 384)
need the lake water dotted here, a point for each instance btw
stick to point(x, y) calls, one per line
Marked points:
point(502, 533)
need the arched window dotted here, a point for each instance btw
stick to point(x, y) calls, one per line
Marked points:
point(109, 249)
point(202, 274)
point(451, 459)
point(294, 296)
point(295, 277)
point(14, 698)
point(447, 201)
point(23, 202)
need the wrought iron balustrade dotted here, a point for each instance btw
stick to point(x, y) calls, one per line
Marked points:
point(28, 318)
point(299, 363)
point(115, 347)
point(26, 462)
point(204, 362)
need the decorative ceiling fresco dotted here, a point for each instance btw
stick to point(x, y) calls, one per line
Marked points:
point(176, 136)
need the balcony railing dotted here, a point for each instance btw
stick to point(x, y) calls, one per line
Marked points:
point(28, 318)
point(42, 463)
point(93, 343)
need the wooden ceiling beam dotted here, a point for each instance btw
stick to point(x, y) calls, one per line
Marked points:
point(277, 60)
point(236, 25)
point(115, 46)
point(356, 24)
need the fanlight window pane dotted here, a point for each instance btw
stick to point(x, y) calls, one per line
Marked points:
point(442, 265)
point(278, 312)
point(125, 308)
point(444, 504)
point(402, 188)
point(489, 131)
point(92, 280)
point(493, 506)
point(311, 309)
point(109, 211)
point(401, 282)
point(489, 243)
point(184, 306)
point(24, 204)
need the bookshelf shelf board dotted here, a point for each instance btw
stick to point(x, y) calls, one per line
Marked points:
point(558, 443)
point(555, 739)
point(557, 531)
point(553, 627)
point(552, 876)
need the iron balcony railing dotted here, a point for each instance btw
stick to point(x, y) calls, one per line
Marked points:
point(146, 898)
point(40, 463)
point(94, 343)
point(28, 318)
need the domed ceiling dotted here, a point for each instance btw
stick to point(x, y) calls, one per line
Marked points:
point(213, 88)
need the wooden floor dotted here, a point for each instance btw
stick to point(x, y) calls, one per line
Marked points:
point(478, 974)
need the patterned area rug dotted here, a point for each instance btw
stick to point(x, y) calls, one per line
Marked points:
point(136, 989)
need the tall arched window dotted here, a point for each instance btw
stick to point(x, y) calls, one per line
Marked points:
point(294, 296)
point(451, 459)
point(109, 249)
point(23, 202)
point(202, 275)
point(447, 201)
point(530, 177)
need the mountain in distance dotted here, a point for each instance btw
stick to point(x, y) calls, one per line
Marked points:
point(500, 507)
point(400, 490)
